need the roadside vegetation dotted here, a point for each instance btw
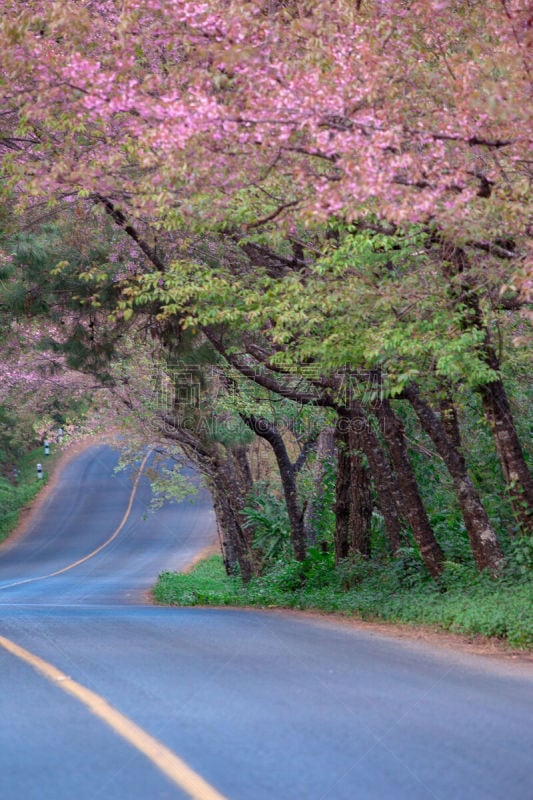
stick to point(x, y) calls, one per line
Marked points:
point(35, 407)
point(323, 304)
point(462, 601)
point(379, 585)
point(23, 485)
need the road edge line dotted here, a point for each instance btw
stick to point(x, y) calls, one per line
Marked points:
point(99, 548)
point(171, 765)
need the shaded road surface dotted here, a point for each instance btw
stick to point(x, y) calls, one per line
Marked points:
point(86, 508)
point(262, 706)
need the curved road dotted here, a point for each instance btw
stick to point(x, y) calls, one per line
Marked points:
point(104, 696)
point(83, 512)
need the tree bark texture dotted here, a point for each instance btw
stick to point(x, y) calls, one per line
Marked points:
point(483, 540)
point(272, 435)
point(385, 480)
point(495, 402)
point(515, 471)
point(353, 498)
point(413, 508)
point(231, 485)
point(229, 479)
point(325, 458)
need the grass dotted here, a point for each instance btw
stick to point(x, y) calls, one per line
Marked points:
point(463, 602)
point(15, 497)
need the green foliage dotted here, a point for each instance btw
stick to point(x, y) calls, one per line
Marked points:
point(316, 571)
point(519, 560)
point(463, 602)
point(14, 436)
point(170, 485)
point(409, 569)
point(434, 481)
point(16, 496)
point(323, 517)
point(267, 515)
point(62, 272)
point(207, 584)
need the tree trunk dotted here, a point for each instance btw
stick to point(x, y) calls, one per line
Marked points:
point(228, 533)
point(228, 476)
point(325, 457)
point(353, 505)
point(515, 471)
point(266, 430)
point(231, 484)
point(413, 507)
point(385, 480)
point(483, 540)
point(494, 399)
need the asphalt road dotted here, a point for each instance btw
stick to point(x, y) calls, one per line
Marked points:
point(87, 506)
point(260, 706)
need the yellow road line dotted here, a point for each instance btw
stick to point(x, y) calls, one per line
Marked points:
point(168, 762)
point(98, 549)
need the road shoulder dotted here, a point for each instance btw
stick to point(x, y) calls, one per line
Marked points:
point(32, 510)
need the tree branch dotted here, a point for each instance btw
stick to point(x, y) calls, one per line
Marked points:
point(118, 217)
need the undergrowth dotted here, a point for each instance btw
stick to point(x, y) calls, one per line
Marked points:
point(16, 496)
point(462, 601)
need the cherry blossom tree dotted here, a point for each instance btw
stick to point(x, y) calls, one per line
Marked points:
point(273, 125)
point(194, 111)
